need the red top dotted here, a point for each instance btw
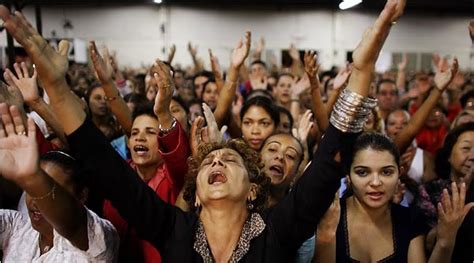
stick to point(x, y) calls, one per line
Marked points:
point(431, 140)
point(167, 183)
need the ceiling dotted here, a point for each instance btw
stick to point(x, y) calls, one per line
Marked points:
point(431, 6)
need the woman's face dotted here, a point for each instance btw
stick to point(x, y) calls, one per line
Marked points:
point(284, 125)
point(222, 176)
point(462, 156)
point(143, 141)
point(210, 95)
point(283, 89)
point(195, 111)
point(373, 177)
point(435, 119)
point(257, 126)
point(179, 114)
point(396, 122)
point(281, 156)
point(97, 103)
point(151, 93)
point(38, 222)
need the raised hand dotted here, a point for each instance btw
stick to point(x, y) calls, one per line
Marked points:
point(366, 53)
point(304, 127)
point(400, 191)
point(293, 52)
point(192, 49)
point(27, 85)
point(311, 67)
point(444, 75)
point(299, 86)
point(241, 51)
point(102, 64)
point(171, 54)
point(166, 87)
point(342, 76)
point(195, 138)
point(259, 47)
point(51, 65)
point(402, 66)
point(216, 69)
point(214, 134)
point(451, 212)
point(258, 82)
point(18, 148)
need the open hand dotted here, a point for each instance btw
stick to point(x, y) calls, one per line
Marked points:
point(241, 51)
point(444, 75)
point(165, 89)
point(27, 85)
point(214, 134)
point(102, 64)
point(342, 76)
point(304, 127)
point(18, 148)
point(311, 67)
point(451, 213)
point(52, 65)
point(328, 225)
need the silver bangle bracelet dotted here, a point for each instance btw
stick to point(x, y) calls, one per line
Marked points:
point(351, 111)
point(164, 131)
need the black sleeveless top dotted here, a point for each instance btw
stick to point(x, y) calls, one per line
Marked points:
point(406, 225)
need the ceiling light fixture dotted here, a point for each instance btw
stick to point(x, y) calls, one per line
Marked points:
point(157, 1)
point(346, 4)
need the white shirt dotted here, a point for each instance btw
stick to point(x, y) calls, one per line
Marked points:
point(20, 242)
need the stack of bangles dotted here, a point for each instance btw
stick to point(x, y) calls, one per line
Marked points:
point(352, 111)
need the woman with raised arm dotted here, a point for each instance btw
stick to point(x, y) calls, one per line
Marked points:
point(59, 227)
point(226, 185)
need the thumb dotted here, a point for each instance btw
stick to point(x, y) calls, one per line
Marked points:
point(63, 47)
point(466, 209)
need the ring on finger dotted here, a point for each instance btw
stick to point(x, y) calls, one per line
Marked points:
point(22, 133)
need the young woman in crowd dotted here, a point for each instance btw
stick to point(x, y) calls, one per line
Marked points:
point(58, 227)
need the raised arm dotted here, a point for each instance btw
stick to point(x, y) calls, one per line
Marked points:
point(227, 94)
point(51, 66)
point(216, 69)
point(442, 79)
point(104, 70)
point(28, 87)
point(313, 193)
point(19, 155)
point(339, 83)
point(311, 67)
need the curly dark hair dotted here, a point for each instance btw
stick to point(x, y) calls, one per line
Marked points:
point(251, 160)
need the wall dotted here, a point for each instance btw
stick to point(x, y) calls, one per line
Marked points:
point(134, 32)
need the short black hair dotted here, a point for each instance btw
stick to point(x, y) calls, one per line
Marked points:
point(70, 167)
point(136, 98)
point(383, 81)
point(144, 109)
point(260, 93)
point(258, 62)
point(264, 103)
point(281, 109)
point(181, 103)
point(203, 73)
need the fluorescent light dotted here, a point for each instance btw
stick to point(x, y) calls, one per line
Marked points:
point(157, 1)
point(346, 4)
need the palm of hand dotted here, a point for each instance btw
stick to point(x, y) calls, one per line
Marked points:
point(341, 79)
point(51, 65)
point(301, 85)
point(443, 78)
point(28, 88)
point(238, 56)
point(19, 156)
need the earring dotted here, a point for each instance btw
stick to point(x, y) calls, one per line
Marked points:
point(249, 206)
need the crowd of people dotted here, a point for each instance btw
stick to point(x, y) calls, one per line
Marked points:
point(260, 163)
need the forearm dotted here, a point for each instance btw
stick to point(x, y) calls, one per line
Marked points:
point(332, 101)
point(118, 106)
point(325, 249)
point(404, 139)
point(226, 96)
point(45, 112)
point(442, 252)
point(297, 68)
point(319, 109)
point(68, 110)
point(64, 212)
point(401, 81)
